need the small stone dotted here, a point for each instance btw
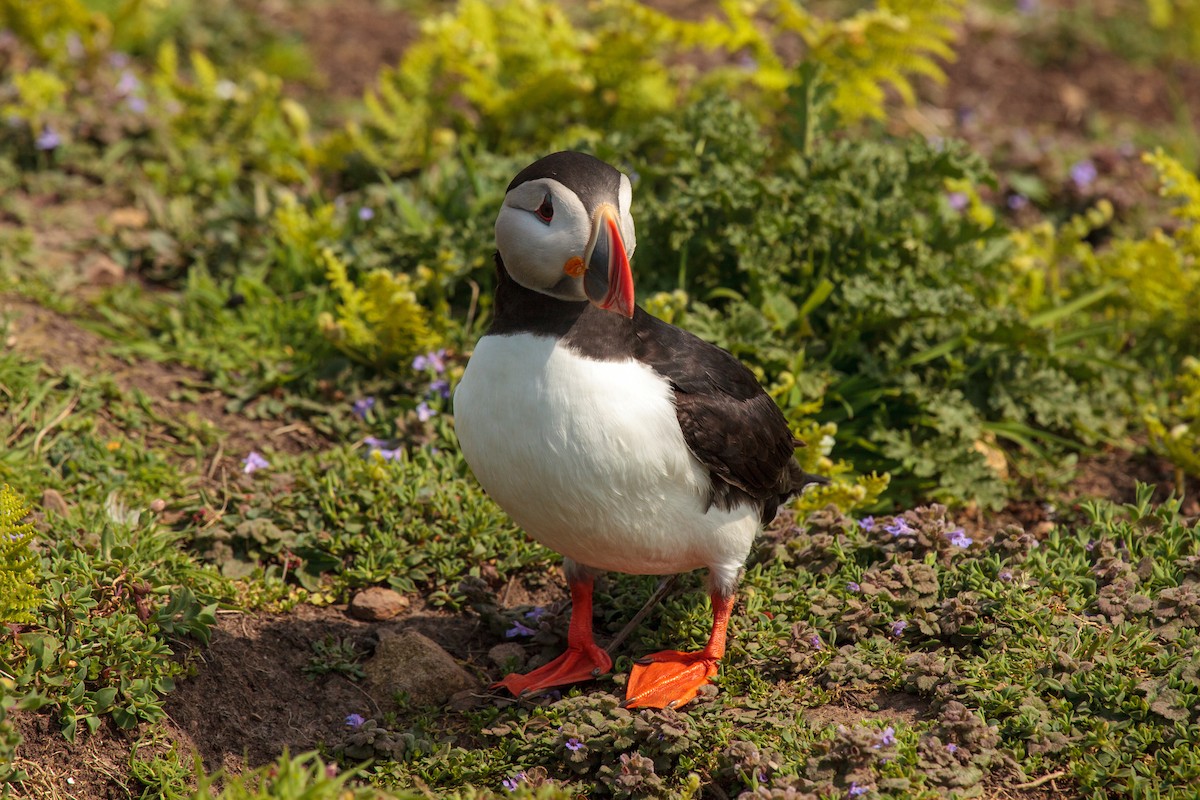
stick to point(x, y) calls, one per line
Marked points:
point(377, 604)
point(157, 505)
point(52, 501)
point(128, 217)
point(100, 270)
point(416, 665)
point(508, 655)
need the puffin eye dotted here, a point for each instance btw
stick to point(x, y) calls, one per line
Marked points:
point(545, 211)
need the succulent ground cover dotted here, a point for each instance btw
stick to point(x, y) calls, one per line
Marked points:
point(243, 262)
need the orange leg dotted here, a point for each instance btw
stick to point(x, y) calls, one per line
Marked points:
point(583, 659)
point(672, 678)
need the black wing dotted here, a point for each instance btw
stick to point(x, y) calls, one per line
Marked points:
point(729, 422)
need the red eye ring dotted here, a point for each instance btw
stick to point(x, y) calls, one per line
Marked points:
point(545, 211)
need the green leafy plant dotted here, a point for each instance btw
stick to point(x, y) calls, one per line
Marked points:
point(334, 655)
point(865, 300)
point(381, 322)
point(1175, 429)
point(862, 54)
point(19, 593)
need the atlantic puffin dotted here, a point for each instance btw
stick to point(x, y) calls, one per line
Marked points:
point(610, 436)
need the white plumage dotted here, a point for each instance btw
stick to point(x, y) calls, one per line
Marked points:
point(588, 457)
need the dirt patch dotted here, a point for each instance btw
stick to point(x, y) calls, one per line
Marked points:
point(996, 80)
point(95, 767)
point(250, 697)
point(349, 40)
point(881, 705)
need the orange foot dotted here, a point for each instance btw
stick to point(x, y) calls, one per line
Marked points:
point(576, 664)
point(668, 679)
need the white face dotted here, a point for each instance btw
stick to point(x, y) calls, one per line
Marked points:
point(543, 232)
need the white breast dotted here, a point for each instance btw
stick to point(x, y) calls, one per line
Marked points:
point(588, 457)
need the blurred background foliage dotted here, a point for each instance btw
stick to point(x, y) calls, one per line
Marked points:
point(859, 274)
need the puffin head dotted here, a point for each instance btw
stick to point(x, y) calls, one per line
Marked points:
point(565, 231)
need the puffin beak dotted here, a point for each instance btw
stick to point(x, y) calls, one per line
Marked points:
point(608, 282)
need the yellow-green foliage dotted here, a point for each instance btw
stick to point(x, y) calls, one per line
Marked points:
point(847, 491)
point(522, 73)
point(19, 595)
point(1156, 279)
point(1175, 430)
point(862, 53)
point(217, 131)
point(513, 70)
point(40, 93)
point(1180, 20)
point(46, 24)
point(380, 323)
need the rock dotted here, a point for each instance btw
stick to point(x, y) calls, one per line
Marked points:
point(377, 604)
point(52, 501)
point(508, 655)
point(100, 270)
point(416, 665)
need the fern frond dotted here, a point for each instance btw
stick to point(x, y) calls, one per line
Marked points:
point(19, 594)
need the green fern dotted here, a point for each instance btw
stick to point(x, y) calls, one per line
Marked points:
point(19, 595)
point(861, 54)
point(382, 323)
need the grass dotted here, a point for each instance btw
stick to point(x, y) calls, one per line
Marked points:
point(921, 653)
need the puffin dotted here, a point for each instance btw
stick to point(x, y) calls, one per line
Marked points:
point(618, 440)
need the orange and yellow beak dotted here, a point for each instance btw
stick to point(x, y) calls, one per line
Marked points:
point(608, 281)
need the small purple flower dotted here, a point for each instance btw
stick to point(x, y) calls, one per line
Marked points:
point(380, 446)
point(362, 406)
point(424, 412)
point(1005, 576)
point(511, 784)
point(128, 84)
point(816, 642)
point(136, 104)
point(354, 721)
point(48, 139)
point(118, 60)
point(574, 745)
point(442, 387)
point(536, 613)
point(898, 628)
point(852, 586)
point(888, 738)
point(867, 523)
point(1027, 6)
point(74, 46)
point(747, 62)
point(254, 462)
point(899, 527)
point(435, 360)
point(959, 538)
point(952, 748)
point(1017, 201)
point(958, 200)
point(856, 790)
point(1083, 173)
point(519, 629)
point(366, 213)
